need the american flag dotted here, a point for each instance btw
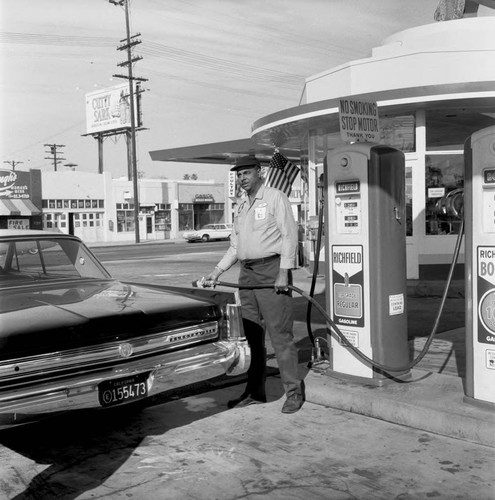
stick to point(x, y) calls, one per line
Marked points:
point(281, 173)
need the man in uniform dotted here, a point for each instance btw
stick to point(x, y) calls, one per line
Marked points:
point(264, 241)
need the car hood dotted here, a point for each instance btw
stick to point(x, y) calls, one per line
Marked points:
point(36, 319)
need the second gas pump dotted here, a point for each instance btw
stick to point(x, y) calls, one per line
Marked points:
point(365, 246)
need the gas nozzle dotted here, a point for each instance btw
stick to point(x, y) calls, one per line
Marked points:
point(204, 283)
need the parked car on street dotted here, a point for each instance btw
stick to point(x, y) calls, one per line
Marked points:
point(72, 337)
point(209, 232)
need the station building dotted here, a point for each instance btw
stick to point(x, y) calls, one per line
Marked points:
point(434, 86)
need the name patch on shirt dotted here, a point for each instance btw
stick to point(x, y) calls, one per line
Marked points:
point(260, 213)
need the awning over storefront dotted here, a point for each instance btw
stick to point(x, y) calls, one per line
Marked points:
point(18, 207)
point(8, 208)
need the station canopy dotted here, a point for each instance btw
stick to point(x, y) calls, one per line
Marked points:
point(222, 153)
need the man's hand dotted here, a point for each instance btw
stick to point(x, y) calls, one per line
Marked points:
point(282, 281)
point(212, 278)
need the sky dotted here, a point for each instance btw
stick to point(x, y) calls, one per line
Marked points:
point(214, 67)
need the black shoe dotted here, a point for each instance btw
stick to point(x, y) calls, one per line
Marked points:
point(234, 402)
point(293, 403)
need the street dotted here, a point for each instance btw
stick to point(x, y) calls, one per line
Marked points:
point(187, 445)
point(170, 263)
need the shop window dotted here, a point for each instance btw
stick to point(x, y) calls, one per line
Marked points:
point(186, 216)
point(163, 220)
point(73, 203)
point(444, 174)
point(125, 221)
point(80, 203)
point(66, 203)
point(44, 203)
point(101, 203)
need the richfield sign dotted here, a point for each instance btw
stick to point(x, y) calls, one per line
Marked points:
point(14, 184)
point(109, 109)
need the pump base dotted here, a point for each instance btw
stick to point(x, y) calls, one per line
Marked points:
point(377, 382)
point(479, 403)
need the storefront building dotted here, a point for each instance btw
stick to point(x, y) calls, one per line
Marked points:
point(20, 199)
point(96, 207)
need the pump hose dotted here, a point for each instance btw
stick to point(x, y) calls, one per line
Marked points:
point(315, 272)
point(336, 330)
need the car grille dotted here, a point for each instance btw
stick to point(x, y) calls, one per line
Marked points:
point(108, 354)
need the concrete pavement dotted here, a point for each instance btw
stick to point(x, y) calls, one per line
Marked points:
point(343, 444)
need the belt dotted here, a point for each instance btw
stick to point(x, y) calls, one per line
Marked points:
point(251, 262)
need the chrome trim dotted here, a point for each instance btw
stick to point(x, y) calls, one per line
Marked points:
point(167, 371)
point(94, 356)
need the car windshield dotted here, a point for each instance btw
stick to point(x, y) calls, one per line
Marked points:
point(47, 258)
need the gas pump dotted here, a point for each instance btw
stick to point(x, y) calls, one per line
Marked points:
point(366, 254)
point(479, 212)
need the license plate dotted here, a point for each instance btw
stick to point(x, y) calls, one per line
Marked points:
point(123, 390)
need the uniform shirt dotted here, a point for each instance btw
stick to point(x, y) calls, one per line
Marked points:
point(262, 229)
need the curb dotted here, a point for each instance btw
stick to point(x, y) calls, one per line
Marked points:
point(429, 402)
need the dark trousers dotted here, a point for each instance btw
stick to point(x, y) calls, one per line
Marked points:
point(265, 309)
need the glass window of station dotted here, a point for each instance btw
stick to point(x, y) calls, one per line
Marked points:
point(446, 133)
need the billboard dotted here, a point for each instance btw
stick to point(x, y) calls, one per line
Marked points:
point(109, 109)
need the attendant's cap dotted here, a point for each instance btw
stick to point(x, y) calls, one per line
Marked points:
point(245, 162)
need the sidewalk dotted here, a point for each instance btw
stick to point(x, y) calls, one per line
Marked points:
point(429, 401)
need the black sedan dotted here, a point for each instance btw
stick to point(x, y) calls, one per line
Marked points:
point(72, 337)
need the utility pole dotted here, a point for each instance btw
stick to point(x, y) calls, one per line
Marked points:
point(130, 42)
point(13, 163)
point(54, 156)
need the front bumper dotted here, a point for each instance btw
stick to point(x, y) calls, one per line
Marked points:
point(166, 371)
